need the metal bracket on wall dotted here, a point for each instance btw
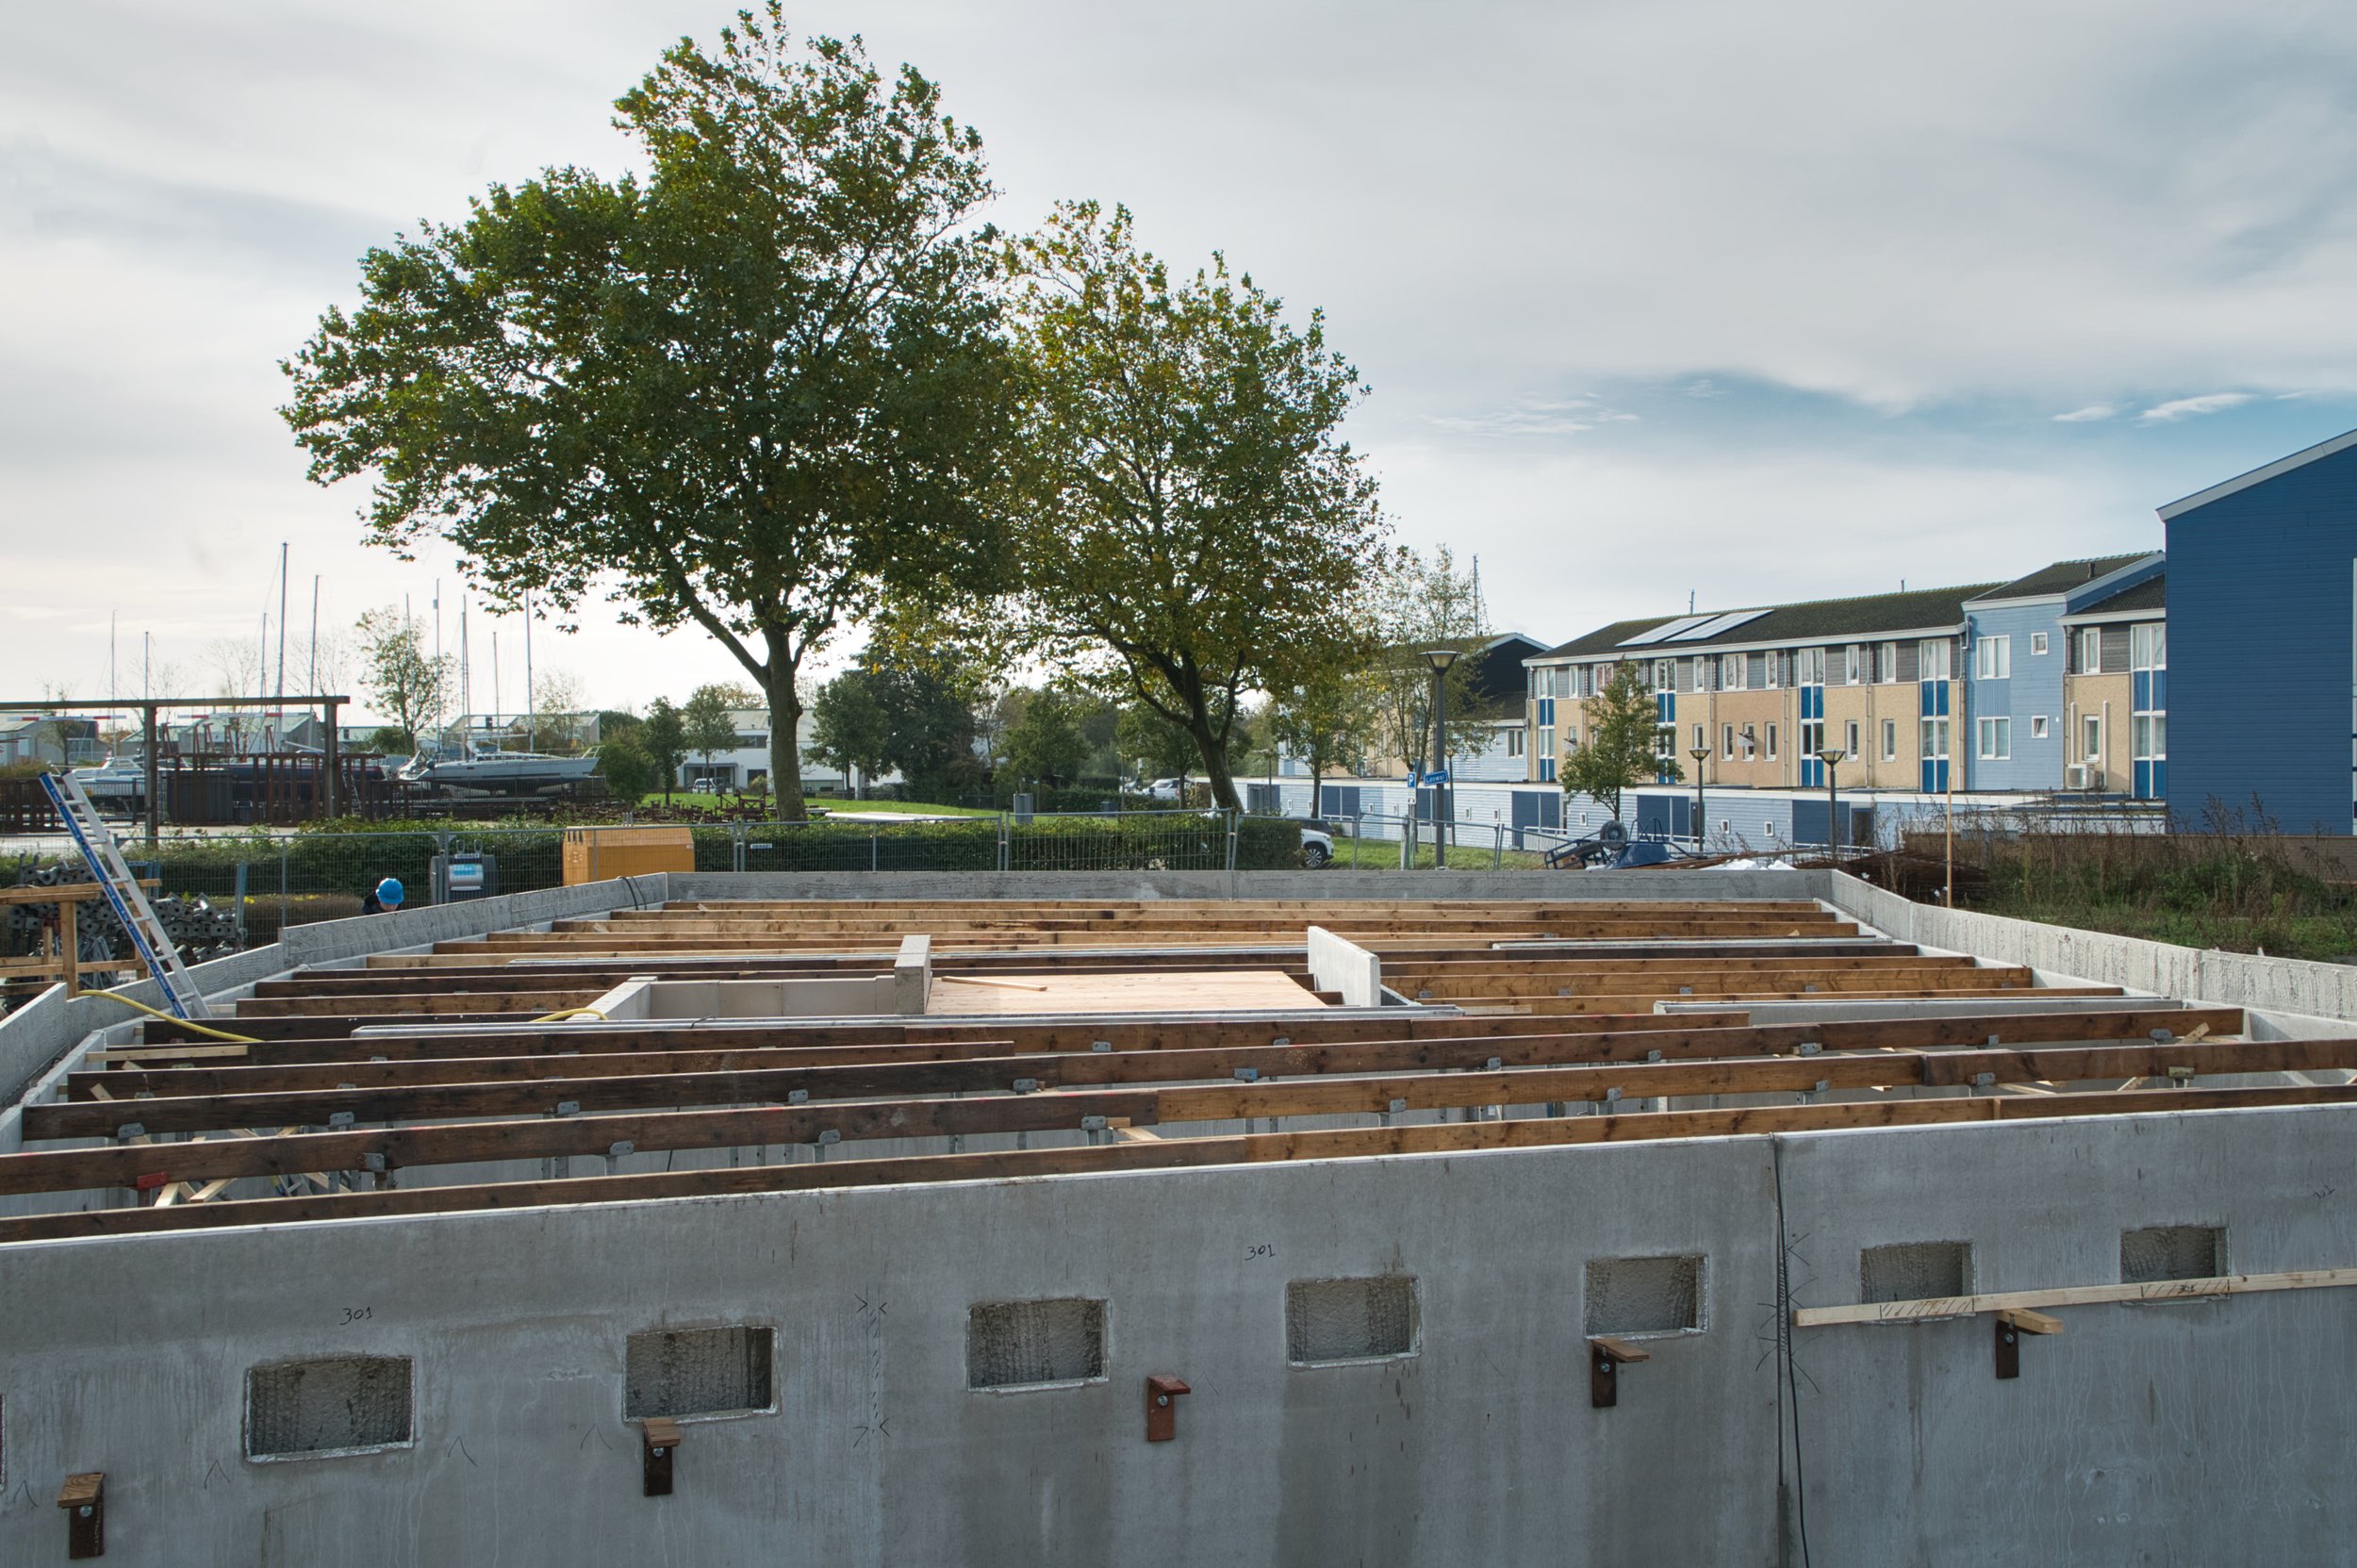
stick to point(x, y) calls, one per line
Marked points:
point(1605, 1356)
point(1162, 1416)
point(84, 1499)
point(659, 1444)
point(2012, 1323)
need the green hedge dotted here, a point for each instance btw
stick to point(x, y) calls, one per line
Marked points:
point(533, 857)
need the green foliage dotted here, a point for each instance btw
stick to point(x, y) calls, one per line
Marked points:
point(1189, 526)
point(848, 728)
point(1152, 746)
point(406, 684)
point(629, 772)
point(662, 736)
point(392, 742)
point(1046, 744)
point(760, 389)
point(1414, 604)
point(706, 725)
point(1326, 721)
point(1618, 752)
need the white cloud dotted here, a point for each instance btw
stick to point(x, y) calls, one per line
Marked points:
point(2190, 408)
point(2016, 204)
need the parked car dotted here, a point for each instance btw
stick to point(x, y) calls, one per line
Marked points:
point(1317, 846)
point(1163, 789)
point(709, 783)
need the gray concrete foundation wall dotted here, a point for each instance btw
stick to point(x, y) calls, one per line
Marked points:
point(2204, 1432)
point(2285, 985)
point(1329, 883)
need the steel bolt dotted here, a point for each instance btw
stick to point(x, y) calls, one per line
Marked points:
point(1161, 1399)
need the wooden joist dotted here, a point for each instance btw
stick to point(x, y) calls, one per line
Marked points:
point(1163, 1153)
point(1072, 1110)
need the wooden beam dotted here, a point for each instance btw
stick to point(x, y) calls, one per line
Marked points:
point(1171, 1153)
point(2072, 1295)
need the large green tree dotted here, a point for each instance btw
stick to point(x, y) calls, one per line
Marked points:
point(760, 389)
point(849, 729)
point(707, 725)
point(664, 737)
point(1416, 605)
point(1046, 745)
point(406, 684)
point(1189, 524)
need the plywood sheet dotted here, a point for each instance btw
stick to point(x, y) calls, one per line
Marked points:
point(1122, 991)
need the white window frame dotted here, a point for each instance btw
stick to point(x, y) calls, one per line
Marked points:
point(1994, 742)
point(1932, 660)
point(1731, 671)
point(1700, 744)
point(1885, 664)
point(2148, 645)
point(2038, 726)
point(2090, 649)
point(1853, 664)
point(1992, 658)
point(1726, 743)
point(1770, 756)
point(1891, 740)
point(2091, 737)
point(1848, 739)
point(1665, 676)
point(1514, 742)
point(1811, 668)
point(1931, 740)
point(1769, 664)
point(2037, 644)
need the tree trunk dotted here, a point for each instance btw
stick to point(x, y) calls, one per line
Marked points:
point(1214, 751)
point(785, 722)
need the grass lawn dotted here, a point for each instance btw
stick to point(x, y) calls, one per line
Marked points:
point(1382, 854)
point(2327, 937)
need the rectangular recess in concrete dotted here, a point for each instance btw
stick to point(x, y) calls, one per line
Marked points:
point(335, 1405)
point(1035, 1344)
point(1645, 1296)
point(692, 1372)
point(1329, 1322)
point(2161, 1252)
point(1915, 1271)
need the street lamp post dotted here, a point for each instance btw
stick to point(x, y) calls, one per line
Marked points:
point(1833, 758)
point(1440, 659)
point(1701, 754)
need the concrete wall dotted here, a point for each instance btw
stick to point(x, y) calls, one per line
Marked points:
point(2194, 974)
point(1331, 884)
point(2188, 1433)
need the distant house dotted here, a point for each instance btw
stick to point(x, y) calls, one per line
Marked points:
point(1494, 712)
point(48, 737)
point(748, 762)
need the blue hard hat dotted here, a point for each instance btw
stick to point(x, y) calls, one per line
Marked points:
point(388, 891)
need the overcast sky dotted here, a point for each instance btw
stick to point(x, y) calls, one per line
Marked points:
point(1747, 302)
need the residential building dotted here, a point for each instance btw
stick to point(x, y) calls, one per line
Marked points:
point(747, 761)
point(2262, 610)
point(2020, 721)
point(1878, 678)
point(2115, 725)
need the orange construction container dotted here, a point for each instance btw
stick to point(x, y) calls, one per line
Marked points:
point(596, 854)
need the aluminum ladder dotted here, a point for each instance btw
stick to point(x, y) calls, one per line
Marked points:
point(124, 896)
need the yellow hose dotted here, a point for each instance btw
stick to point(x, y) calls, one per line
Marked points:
point(171, 1018)
point(569, 1012)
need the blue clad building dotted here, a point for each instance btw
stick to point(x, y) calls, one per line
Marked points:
point(2262, 610)
point(2018, 730)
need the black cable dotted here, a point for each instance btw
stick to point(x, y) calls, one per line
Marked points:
point(1784, 1346)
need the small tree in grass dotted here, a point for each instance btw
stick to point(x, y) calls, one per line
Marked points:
point(1619, 750)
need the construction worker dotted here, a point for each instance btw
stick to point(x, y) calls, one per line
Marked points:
point(382, 899)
